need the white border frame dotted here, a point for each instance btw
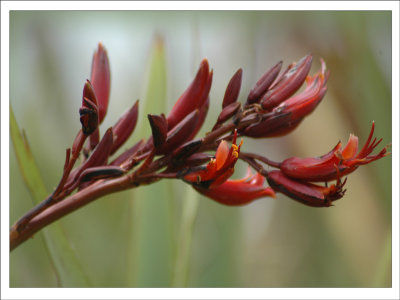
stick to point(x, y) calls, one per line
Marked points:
point(170, 293)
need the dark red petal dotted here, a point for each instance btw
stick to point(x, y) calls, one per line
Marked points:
point(180, 133)
point(193, 97)
point(200, 121)
point(227, 113)
point(159, 128)
point(234, 193)
point(89, 94)
point(302, 192)
point(288, 85)
point(186, 150)
point(263, 83)
point(233, 89)
point(124, 127)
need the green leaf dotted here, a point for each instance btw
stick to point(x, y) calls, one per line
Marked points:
point(64, 260)
point(153, 209)
point(184, 243)
point(26, 163)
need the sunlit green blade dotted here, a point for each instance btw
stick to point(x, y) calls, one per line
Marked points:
point(152, 206)
point(66, 265)
point(184, 242)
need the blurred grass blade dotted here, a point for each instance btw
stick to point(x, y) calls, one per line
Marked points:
point(383, 272)
point(66, 265)
point(153, 207)
point(184, 243)
point(155, 91)
point(26, 163)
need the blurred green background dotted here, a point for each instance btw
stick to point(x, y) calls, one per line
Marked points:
point(167, 235)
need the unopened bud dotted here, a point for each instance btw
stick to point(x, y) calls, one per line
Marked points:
point(233, 89)
point(263, 83)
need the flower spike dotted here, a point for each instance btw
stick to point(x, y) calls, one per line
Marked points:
point(272, 109)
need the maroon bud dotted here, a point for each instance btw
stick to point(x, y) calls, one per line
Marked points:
point(88, 93)
point(180, 133)
point(159, 128)
point(228, 112)
point(272, 125)
point(186, 150)
point(89, 111)
point(124, 127)
point(193, 97)
point(304, 192)
point(288, 84)
point(233, 89)
point(100, 78)
point(263, 83)
point(200, 121)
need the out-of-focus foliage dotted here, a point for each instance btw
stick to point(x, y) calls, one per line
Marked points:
point(270, 243)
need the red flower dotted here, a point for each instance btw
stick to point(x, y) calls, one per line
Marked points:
point(305, 192)
point(338, 162)
point(239, 192)
point(218, 169)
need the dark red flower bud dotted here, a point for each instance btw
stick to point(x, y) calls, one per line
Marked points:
point(100, 78)
point(89, 111)
point(336, 163)
point(263, 83)
point(200, 121)
point(239, 192)
point(233, 89)
point(227, 113)
point(194, 96)
point(304, 192)
point(124, 127)
point(288, 84)
point(186, 150)
point(159, 128)
point(180, 133)
point(287, 116)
